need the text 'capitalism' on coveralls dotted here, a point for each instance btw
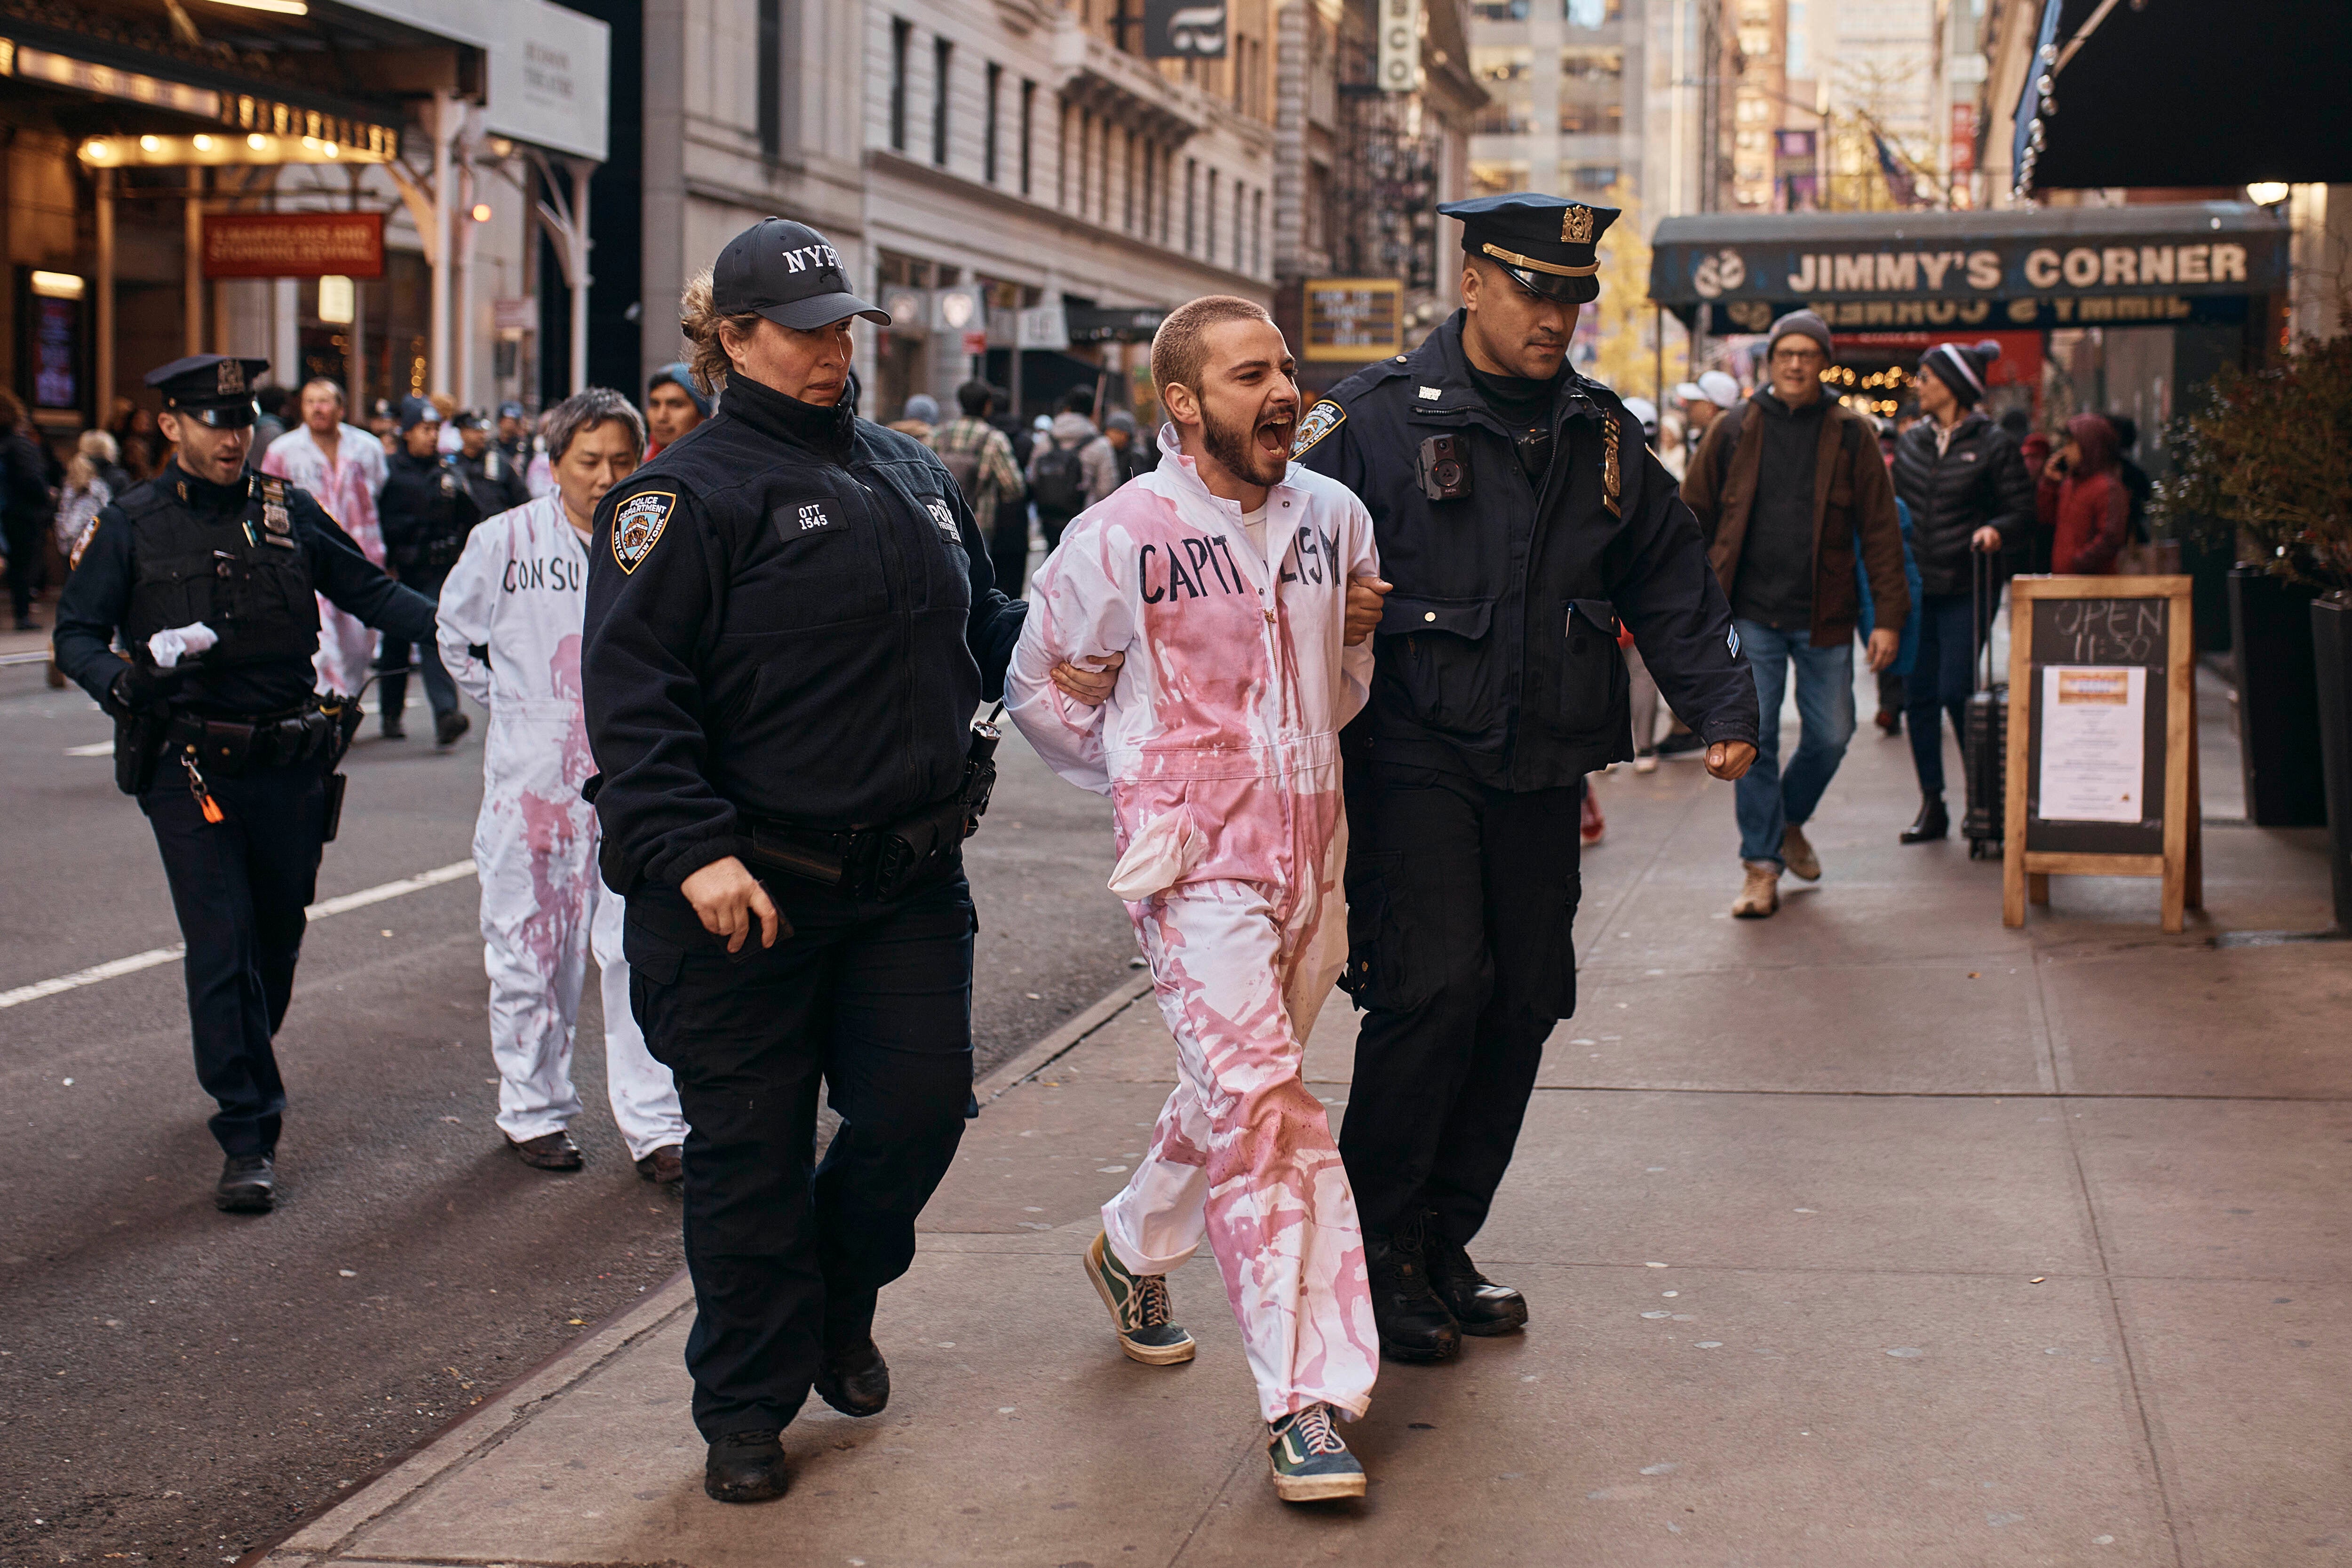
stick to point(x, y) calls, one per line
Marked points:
point(510, 629)
point(1220, 751)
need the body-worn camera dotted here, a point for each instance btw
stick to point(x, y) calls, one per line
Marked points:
point(1445, 467)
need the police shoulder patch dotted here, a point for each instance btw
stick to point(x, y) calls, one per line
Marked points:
point(80, 543)
point(637, 526)
point(1321, 420)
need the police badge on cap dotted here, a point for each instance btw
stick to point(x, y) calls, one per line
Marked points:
point(1550, 243)
point(213, 389)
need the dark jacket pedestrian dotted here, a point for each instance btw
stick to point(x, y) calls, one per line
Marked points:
point(28, 506)
point(2136, 482)
point(2082, 501)
point(1971, 502)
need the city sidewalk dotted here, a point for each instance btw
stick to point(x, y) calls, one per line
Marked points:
point(1871, 1234)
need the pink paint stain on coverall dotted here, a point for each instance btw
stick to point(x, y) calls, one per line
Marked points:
point(1227, 712)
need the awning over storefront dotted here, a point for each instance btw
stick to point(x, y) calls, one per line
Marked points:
point(1878, 271)
point(2171, 93)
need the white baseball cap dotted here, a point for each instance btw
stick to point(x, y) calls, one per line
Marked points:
point(1718, 389)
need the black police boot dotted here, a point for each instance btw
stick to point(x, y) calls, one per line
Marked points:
point(1933, 823)
point(1479, 1305)
point(1414, 1323)
point(249, 1184)
point(853, 1378)
point(449, 728)
point(745, 1467)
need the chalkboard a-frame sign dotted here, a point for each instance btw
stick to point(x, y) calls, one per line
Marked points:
point(2102, 739)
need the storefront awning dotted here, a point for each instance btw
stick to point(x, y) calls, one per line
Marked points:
point(2196, 261)
point(2165, 92)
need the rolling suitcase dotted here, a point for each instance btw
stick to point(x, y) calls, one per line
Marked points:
point(1984, 739)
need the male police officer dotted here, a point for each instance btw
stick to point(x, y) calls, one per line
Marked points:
point(791, 621)
point(230, 754)
point(1520, 518)
point(494, 482)
point(426, 511)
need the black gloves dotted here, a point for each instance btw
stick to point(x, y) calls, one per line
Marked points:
point(142, 688)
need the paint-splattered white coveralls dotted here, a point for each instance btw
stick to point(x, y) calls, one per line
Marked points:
point(520, 591)
point(1220, 751)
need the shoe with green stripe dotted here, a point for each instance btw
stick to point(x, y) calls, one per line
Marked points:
point(1310, 1462)
point(1138, 1307)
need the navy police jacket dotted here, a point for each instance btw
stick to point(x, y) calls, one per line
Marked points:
point(791, 613)
point(1497, 654)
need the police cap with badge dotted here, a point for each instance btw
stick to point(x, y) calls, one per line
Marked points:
point(1550, 243)
point(789, 273)
point(211, 389)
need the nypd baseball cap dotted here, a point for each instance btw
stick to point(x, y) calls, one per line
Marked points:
point(789, 273)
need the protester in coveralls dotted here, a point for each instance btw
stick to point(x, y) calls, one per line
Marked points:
point(1520, 518)
point(343, 468)
point(1223, 577)
point(511, 628)
point(790, 622)
point(211, 572)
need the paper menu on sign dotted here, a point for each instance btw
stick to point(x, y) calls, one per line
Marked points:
point(2093, 742)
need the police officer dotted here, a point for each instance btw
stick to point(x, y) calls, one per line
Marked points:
point(211, 572)
point(1520, 518)
point(791, 621)
point(426, 511)
point(514, 436)
point(493, 481)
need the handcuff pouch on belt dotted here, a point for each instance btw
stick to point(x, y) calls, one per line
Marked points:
point(882, 863)
point(230, 748)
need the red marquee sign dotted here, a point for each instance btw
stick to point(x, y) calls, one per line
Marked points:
point(293, 245)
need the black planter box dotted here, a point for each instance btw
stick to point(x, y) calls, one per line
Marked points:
point(2331, 637)
point(2278, 699)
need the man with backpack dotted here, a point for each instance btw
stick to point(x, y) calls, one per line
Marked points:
point(979, 460)
point(1074, 469)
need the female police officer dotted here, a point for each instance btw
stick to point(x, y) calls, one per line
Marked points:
point(791, 621)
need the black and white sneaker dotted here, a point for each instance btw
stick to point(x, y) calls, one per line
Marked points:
point(1139, 1309)
point(1310, 1462)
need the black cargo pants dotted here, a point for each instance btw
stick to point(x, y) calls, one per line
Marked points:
point(874, 998)
point(1461, 905)
point(240, 886)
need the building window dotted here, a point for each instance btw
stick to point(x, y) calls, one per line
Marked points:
point(1257, 234)
point(1062, 156)
point(900, 33)
point(1209, 220)
point(1591, 119)
point(771, 76)
point(1151, 183)
point(1191, 194)
point(1593, 13)
point(1508, 74)
point(1102, 178)
point(1595, 180)
point(1028, 118)
point(1127, 183)
point(1601, 66)
point(1501, 10)
point(942, 56)
point(1800, 62)
point(988, 132)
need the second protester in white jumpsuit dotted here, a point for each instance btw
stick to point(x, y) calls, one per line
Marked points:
point(510, 619)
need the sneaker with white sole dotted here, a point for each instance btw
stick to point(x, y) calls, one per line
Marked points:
point(1310, 1461)
point(1760, 895)
point(1139, 1308)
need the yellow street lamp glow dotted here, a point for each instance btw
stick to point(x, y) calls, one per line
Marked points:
point(150, 144)
point(330, 150)
point(282, 7)
point(2267, 192)
point(56, 285)
point(481, 212)
point(257, 141)
point(96, 150)
point(204, 144)
point(169, 152)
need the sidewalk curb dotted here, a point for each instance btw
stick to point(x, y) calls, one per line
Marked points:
point(508, 1411)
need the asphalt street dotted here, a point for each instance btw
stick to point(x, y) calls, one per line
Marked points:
point(178, 1386)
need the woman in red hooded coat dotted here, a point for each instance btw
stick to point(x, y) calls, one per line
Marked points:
point(2082, 499)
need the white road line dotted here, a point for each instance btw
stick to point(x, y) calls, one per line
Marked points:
point(95, 749)
point(158, 955)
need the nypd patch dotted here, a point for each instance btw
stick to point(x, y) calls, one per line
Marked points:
point(637, 526)
point(1321, 420)
point(942, 519)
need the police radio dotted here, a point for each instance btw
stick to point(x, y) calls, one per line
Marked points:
point(1445, 467)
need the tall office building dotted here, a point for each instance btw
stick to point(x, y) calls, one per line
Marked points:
point(1565, 78)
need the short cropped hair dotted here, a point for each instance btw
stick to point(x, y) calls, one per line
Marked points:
point(1080, 401)
point(329, 383)
point(973, 397)
point(1180, 346)
point(585, 410)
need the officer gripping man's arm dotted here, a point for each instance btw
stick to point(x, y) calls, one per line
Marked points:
point(1520, 518)
point(230, 751)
